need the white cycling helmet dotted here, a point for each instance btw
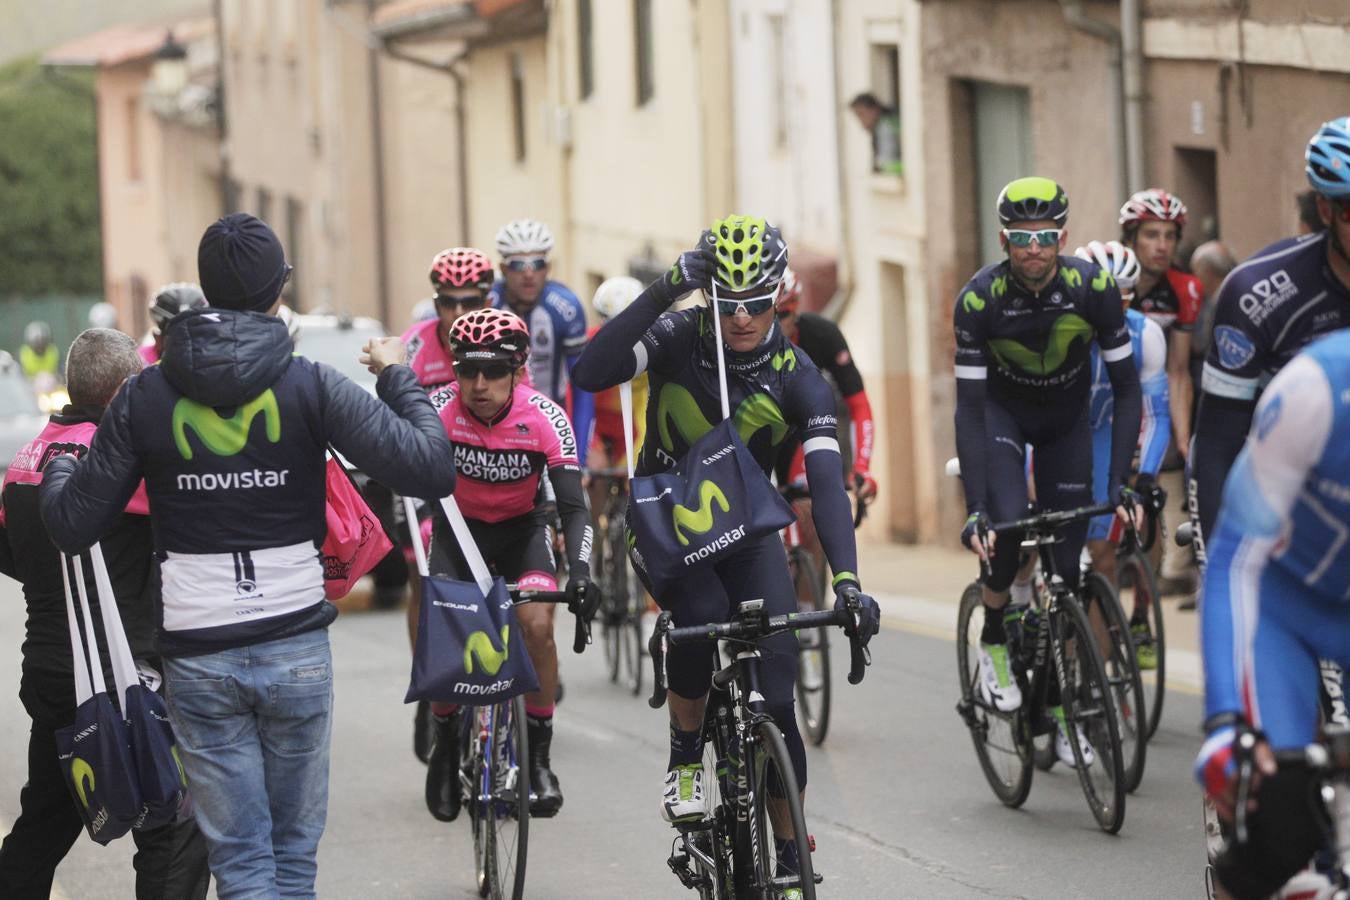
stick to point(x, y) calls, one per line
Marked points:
point(1115, 258)
point(614, 294)
point(102, 315)
point(424, 310)
point(524, 236)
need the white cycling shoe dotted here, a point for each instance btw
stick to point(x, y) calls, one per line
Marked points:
point(998, 687)
point(1064, 750)
point(683, 798)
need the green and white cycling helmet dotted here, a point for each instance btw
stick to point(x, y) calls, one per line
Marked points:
point(750, 253)
point(614, 294)
point(1033, 199)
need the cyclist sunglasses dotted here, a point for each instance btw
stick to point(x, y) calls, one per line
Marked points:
point(1018, 237)
point(532, 264)
point(469, 303)
point(492, 371)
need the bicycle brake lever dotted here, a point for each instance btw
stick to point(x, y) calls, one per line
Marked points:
point(656, 649)
point(1246, 743)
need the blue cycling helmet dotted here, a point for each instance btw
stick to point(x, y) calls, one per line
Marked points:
point(1328, 157)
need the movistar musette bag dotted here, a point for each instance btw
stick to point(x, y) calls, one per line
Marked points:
point(715, 501)
point(469, 646)
point(121, 766)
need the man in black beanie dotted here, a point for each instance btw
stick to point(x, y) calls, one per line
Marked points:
point(229, 432)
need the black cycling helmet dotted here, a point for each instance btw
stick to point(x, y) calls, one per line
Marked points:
point(1033, 199)
point(174, 298)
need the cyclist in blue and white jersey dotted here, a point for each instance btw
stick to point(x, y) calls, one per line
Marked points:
point(554, 315)
point(1267, 310)
point(1275, 602)
point(1150, 360)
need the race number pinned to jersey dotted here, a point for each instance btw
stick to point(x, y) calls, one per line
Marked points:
point(1235, 348)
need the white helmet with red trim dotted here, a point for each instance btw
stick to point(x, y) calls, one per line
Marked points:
point(1152, 205)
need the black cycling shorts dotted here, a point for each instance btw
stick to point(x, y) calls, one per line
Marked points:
point(511, 547)
point(711, 593)
point(1062, 468)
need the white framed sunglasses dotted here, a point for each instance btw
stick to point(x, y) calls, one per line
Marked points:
point(1044, 237)
point(751, 306)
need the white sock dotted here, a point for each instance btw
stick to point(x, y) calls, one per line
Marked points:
point(1021, 594)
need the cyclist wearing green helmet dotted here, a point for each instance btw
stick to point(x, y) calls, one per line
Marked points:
point(776, 394)
point(1024, 329)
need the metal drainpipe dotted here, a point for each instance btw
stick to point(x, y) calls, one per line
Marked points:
point(377, 154)
point(222, 125)
point(1077, 18)
point(1132, 49)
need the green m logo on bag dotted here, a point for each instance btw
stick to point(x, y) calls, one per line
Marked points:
point(699, 521)
point(80, 772)
point(224, 436)
point(1065, 330)
point(479, 647)
point(676, 406)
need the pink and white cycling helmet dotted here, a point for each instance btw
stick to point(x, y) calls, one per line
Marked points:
point(490, 334)
point(462, 267)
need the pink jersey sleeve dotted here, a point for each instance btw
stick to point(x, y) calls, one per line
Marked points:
point(558, 441)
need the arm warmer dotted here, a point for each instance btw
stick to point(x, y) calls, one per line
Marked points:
point(831, 513)
point(576, 518)
point(1124, 422)
point(1221, 425)
point(970, 441)
point(860, 411)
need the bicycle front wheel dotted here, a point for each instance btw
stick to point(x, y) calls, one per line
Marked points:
point(776, 810)
point(629, 602)
point(1122, 672)
point(813, 651)
point(1089, 711)
point(500, 814)
point(1000, 738)
point(1143, 600)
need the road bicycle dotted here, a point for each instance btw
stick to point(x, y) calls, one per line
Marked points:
point(1060, 649)
point(494, 776)
point(808, 584)
point(625, 600)
point(730, 854)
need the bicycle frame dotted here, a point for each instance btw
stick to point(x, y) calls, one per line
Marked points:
point(732, 728)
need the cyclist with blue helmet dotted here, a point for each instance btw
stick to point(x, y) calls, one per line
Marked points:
point(1267, 310)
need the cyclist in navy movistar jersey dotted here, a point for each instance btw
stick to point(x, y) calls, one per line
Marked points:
point(777, 395)
point(554, 315)
point(1024, 327)
point(1274, 603)
point(1268, 309)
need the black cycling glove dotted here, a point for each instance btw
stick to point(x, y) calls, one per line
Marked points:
point(869, 611)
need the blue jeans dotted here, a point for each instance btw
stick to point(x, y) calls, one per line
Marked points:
point(253, 727)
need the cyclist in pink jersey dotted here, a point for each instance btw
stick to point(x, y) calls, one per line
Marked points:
point(506, 436)
point(462, 277)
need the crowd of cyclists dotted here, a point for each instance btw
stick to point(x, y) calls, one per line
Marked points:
point(1076, 380)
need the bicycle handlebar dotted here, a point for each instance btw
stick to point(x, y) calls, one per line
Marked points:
point(751, 627)
point(581, 635)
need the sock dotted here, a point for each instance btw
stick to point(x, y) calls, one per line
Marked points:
point(1021, 593)
point(993, 632)
point(686, 747)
